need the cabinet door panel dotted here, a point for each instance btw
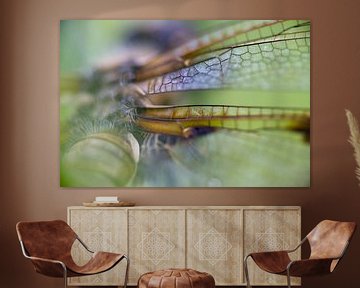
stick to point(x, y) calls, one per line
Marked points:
point(270, 230)
point(156, 240)
point(214, 244)
point(100, 230)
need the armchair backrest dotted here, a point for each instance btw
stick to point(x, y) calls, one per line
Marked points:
point(46, 239)
point(329, 239)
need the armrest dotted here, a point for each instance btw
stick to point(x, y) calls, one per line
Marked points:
point(298, 246)
point(269, 253)
point(280, 251)
point(49, 267)
point(309, 267)
point(45, 260)
point(84, 245)
point(315, 266)
point(271, 261)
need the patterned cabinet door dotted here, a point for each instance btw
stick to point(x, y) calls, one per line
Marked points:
point(156, 240)
point(214, 244)
point(269, 230)
point(101, 230)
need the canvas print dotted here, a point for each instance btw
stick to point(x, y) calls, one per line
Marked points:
point(213, 103)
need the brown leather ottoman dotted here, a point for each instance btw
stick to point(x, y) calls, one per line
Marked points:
point(176, 278)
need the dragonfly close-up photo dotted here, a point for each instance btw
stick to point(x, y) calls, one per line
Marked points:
point(193, 103)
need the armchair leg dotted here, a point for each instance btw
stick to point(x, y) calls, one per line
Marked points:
point(288, 278)
point(65, 276)
point(246, 270)
point(127, 271)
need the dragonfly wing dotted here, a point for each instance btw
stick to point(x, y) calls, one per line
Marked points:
point(224, 36)
point(228, 159)
point(278, 63)
point(159, 164)
point(180, 120)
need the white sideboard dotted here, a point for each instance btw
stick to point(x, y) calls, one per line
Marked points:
point(212, 239)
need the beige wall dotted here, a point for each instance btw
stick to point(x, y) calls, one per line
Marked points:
point(29, 112)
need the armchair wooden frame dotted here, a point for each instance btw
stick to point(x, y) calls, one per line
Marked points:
point(100, 261)
point(320, 261)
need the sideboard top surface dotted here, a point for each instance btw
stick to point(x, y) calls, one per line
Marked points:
point(193, 207)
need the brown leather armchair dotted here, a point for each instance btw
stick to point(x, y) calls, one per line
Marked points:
point(48, 245)
point(328, 242)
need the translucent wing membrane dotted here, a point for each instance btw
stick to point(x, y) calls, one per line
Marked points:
point(180, 119)
point(226, 158)
point(271, 57)
point(226, 37)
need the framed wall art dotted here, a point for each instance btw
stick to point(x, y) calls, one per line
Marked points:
point(211, 103)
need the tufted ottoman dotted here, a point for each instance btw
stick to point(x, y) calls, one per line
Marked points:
point(176, 278)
